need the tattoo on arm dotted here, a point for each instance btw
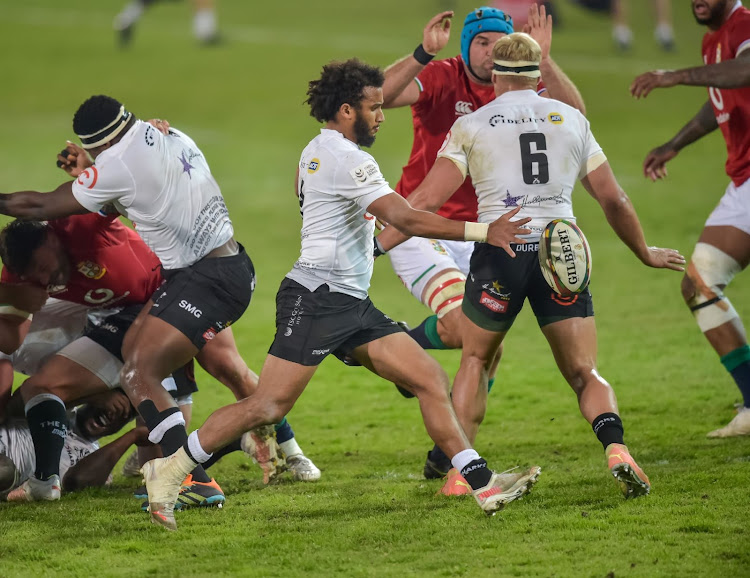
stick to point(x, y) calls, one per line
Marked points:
point(733, 73)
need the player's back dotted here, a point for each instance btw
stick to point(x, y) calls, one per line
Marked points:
point(523, 150)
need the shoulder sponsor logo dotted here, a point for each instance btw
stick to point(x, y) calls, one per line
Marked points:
point(492, 303)
point(555, 118)
point(463, 107)
point(88, 177)
point(313, 166)
point(364, 172)
point(91, 270)
point(190, 308)
point(149, 135)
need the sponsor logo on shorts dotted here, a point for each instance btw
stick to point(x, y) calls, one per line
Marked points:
point(109, 327)
point(564, 301)
point(209, 334)
point(526, 247)
point(320, 351)
point(492, 303)
point(91, 270)
point(192, 309)
point(296, 316)
point(287, 332)
point(496, 289)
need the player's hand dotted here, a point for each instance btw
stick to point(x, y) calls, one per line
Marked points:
point(645, 83)
point(73, 159)
point(160, 124)
point(437, 32)
point(664, 259)
point(28, 298)
point(539, 27)
point(503, 231)
point(654, 166)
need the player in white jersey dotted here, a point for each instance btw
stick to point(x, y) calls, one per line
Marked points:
point(322, 304)
point(526, 152)
point(163, 184)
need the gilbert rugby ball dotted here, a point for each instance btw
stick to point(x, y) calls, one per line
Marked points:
point(565, 257)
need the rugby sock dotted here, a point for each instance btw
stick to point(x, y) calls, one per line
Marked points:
point(167, 428)
point(490, 383)
point(195, 450)
point(284, 431)
point(427, 334)
point(608, 428)
point(48, 424)
point(737, 363)
point(235, 446)
point(473, 468)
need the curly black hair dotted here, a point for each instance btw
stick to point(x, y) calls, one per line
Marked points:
point(95, 113)
point(18, 241)
point(340, 83)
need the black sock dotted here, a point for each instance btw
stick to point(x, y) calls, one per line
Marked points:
point(608, 428)
point(426, 334)
point(235, 446)
point(173, 438)
point(48, 424)
point(477, 474)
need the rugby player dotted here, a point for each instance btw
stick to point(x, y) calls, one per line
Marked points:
point(322, 305)
point(438, 92)
point(723, 248)
point(526, 152)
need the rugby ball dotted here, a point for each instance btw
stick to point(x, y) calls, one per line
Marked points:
point(565, 257)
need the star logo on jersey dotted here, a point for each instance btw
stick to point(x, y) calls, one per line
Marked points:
point(186, 166)
point(510, 200)
point(91, 270)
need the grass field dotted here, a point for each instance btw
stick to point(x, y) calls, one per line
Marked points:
point(372, 514)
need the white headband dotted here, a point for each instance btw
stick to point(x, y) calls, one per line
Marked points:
point(106, 134)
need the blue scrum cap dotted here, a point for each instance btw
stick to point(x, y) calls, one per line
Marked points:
point(484, 19)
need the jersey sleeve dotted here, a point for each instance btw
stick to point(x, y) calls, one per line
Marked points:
point(739, 37)
point(592, 156)
point(98, 186)
point(431, 81)
point(456, 146)
point(360, 180)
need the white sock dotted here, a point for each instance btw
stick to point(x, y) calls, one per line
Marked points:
point(622, 34)
point(129, 15)
point(196, 449)
point(464, 458)
point(291, 448)
point(204, 24)
point(664, 33)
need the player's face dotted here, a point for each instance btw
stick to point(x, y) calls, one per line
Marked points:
point(480, 54)
point(104, 414)
point(49, 264)
point(369, 116)
point(710, 12)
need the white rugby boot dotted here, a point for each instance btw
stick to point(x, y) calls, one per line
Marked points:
point(33, 490)
point(302, 468)
point(739, 426)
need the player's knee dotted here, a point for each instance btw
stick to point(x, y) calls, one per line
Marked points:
point(449, 329)
point(710, 270)
point(580, 375)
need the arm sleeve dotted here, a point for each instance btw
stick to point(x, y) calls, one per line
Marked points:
point(592, 156)
point(359, 179)
point(456, 146)
point(99, 186)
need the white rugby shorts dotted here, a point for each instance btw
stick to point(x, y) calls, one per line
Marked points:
point(418, 260)
point(733, 209)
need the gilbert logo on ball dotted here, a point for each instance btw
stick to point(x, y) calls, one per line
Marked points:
point(565, 257)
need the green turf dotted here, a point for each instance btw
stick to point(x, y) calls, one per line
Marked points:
point(372, 514)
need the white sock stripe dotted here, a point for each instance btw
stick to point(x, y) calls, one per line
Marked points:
point(41, 398)
point(161, 428)
point(196, 449)
point(463, 458)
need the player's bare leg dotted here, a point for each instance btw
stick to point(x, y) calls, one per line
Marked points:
point(221, 359)
point(573, 344)
point(721, 252)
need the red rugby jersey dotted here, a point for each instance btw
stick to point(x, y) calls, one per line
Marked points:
point(731, 106)
point(110, 264)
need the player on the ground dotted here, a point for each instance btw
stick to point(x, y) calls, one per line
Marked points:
point(439, 92)
point(322, 304)
point(524, 151)
point(723, 248)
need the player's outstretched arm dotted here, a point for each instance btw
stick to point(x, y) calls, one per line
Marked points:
point(437, 187)
point(733, 73)
point(602, 185)
point(399, 88)
point(557, 83)
point(654, 166)
point(42, 206)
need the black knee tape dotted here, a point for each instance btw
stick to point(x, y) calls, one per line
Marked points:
point(153, 416)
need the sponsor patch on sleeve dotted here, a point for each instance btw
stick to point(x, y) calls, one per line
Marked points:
point(88, 177)
point(365, 173)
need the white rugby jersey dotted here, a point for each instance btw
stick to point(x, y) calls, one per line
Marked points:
point(524, 150)
point(16, 443)
point(337, 183)
point(162, 183)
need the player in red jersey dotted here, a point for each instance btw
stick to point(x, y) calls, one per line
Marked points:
point(723, 249)
point(438, 93)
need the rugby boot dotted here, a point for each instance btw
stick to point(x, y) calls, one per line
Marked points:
point(632, 480)
point(131, 469)
point(739, 426)
point(504, 488)
point(437, 465)
point(302, 468)
point(455, 485)
point(260, 444)
point(163, 480)
point(33, 490)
